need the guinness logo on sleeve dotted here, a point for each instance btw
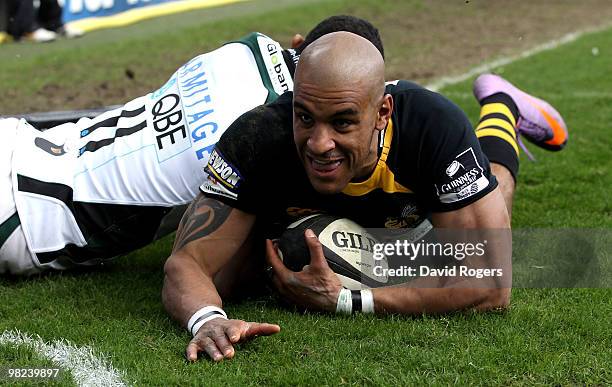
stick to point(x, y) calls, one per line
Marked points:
point(463, 178)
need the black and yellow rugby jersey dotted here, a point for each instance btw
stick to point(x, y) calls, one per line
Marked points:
point(429, 161)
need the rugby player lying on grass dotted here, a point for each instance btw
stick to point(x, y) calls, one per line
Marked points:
point(83, 192)
point(346, 144)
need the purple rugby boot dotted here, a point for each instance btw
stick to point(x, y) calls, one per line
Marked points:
point(538, 121)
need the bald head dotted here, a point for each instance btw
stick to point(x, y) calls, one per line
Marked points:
point(342, 59)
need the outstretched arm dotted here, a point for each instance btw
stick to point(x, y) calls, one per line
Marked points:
point(315, 288)
point(209, 235)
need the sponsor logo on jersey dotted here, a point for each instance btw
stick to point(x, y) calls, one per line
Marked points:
point(295, 57)
point(170, 131)
point(453, 168)
point(464, 178)
point(212, 186)
point(196, 85)
point(184, 114)
point(278, 72)
point(222, 171)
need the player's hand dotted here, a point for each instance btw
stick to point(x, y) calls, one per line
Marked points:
point(316, 287)
point(216, 337)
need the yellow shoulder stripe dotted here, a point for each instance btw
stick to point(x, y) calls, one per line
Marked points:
point(382, 177)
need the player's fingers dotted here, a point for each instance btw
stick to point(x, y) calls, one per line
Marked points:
point(254, 329)
point(209, 346)
point(197, 345)
point(274, 260)
point(223, 344)
point(317, 258)
point(192, 351)
point(234, 332)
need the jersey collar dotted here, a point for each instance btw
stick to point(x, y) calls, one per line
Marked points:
point(382, 177)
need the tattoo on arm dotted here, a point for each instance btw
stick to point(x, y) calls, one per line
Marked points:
point(203, 217)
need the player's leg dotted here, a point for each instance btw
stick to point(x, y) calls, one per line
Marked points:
point(498, 139)
point(21, 18)
point(508, 113)
point(506, 182)
point(4, 18)
point(15, 256)
point(50, 15)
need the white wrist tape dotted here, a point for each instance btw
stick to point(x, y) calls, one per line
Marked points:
point(367, 301)
point(203, 316)
point(345, 302)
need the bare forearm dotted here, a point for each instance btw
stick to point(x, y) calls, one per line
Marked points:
point(415, 301)
point(208, 237)
point(187, 288)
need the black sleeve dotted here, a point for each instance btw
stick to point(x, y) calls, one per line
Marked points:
point(236, 167)
point(452, 171)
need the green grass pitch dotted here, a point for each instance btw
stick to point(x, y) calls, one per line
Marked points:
point(548, 336)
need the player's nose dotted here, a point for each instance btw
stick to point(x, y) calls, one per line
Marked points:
point(320, 140)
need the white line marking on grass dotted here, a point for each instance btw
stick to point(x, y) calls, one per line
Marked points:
point(503, 61)
point(85, 367)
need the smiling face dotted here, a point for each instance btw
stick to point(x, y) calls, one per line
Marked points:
point(336, 134)
point(338, 111)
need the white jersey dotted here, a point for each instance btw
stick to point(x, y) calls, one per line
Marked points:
point(106, 186)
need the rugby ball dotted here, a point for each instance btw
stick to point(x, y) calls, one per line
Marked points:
point(348, 249)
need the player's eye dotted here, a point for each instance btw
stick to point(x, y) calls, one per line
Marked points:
point(342, 124)
point(305, 118)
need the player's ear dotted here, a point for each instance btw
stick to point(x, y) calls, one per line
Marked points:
point(384, 112)
point(297, 41)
